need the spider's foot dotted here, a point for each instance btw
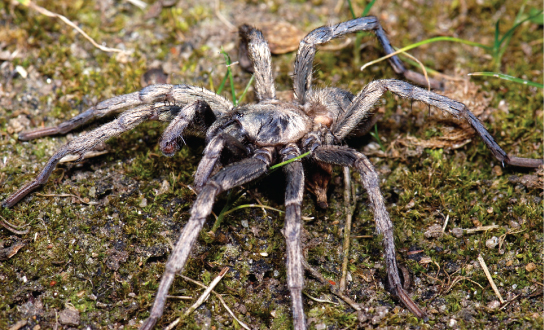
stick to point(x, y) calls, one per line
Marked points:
point(149, 323)
point(410, 304)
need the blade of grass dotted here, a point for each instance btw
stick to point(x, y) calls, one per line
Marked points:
point(230, 201)
point(229, 73)
point(367, 8)
point(351, 9)
point(222, 84)
point(247, 88)
point(424, 42)
point(289, 161)
point(507, 77)
point(377, 137)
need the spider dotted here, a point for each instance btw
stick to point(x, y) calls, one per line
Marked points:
point(256, 136)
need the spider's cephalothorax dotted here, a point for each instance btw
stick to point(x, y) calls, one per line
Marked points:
point(260, 135)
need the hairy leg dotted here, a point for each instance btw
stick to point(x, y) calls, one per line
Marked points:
point(348, 157)
point(292, 232)
point(229, 177)
point(125, 122)
point(151, 95)
point(307, 49)
point(364, 102)
point(259, 54)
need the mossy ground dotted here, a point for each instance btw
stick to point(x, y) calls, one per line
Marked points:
point(106, 260)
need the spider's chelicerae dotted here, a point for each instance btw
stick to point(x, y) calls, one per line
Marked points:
point(256, 136)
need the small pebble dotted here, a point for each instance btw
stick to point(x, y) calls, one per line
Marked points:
point(143, 203)
point(492, 242)
point(457, 232)
point(494, 304)
point(434, 231)
point(530, 267)
point(452, 323)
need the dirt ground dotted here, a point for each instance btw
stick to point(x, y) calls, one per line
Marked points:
point(90, 246)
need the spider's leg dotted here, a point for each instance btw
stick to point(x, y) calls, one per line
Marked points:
point(259, 55)
point(307, 49)
point(348, 157)
point(229, 177)
point(363, 104)
point(292, 231)
point(125, 122)
point(177, 94)
point(212, 152)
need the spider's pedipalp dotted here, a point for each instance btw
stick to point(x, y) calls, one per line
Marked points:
point(260, 57)
point(229, 177)
point(292, 231)
point(343, 156)
point(125, 122)
point(302, 80)
point(173, 133)
point(363, 104)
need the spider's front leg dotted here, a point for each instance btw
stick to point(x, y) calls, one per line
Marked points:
point(292, 232)
point(348, 157)
point(150, 95)
point(363, 104)
point(307, 49)
point(229, 177)
point(261, 59)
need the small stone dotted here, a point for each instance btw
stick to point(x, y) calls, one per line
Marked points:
point(457, 232)
point(530, 267)
point(361, 316)
point(434, 231)
point(497, 170)
point(514, 224)
point(452, 323)
point(492, 242)
point(143, 202)
point(69, 316)
point(92, 192)
point(320, 326)
point(494, 304)
point(244, 223)
point(165, 187)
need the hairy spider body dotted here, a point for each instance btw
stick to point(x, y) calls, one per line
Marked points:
point(260, 135)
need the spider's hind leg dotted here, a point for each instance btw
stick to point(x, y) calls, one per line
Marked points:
point(363, 104)
point(348, 157)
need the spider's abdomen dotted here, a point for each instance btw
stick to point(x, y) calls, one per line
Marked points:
point(274, 124)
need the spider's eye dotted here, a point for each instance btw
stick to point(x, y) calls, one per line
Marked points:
point(238, 116)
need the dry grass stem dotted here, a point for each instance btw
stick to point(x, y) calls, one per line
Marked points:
point(206, 292)
point(46, 12)
point(482, 228)
point(347, 227)
point(67, 195)
point(489, 278)
point(319, 300)
point(218, 297)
